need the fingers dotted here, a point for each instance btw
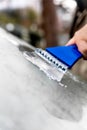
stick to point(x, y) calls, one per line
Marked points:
point(82, 47)
point(81, 44)
point(80, 39)
point(71, 42)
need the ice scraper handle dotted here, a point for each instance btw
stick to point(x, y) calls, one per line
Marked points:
point(74, 54)
point(68, 55)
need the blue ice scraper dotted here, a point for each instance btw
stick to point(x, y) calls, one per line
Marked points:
point(55, 61)
point(68, 55)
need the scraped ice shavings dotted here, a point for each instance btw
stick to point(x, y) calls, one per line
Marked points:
point(51, 71)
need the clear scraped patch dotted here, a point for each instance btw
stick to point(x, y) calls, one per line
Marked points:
point(51, 71)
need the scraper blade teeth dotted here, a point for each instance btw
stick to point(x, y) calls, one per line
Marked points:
point(52, 60)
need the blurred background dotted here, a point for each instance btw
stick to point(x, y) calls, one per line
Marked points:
point(44, 23)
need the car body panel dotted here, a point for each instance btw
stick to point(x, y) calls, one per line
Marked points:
point(29, 100)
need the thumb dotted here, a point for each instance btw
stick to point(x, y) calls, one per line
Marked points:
point(71, 42)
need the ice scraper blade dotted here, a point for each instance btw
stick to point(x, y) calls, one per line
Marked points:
point(54, 61)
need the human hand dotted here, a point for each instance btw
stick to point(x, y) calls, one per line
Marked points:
point(80, 39)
